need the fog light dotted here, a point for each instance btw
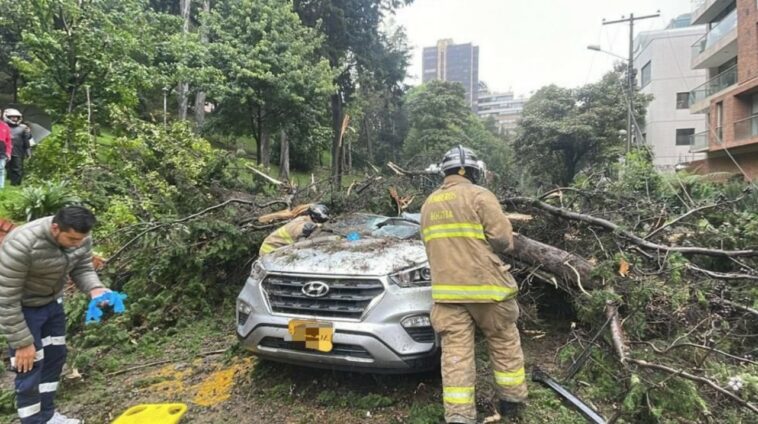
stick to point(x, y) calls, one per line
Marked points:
point(243, 312)
point(416, 321)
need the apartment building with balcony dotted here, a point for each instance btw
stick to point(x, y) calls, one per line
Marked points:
point(455, 63)
point(662, 64)
point(728, 52)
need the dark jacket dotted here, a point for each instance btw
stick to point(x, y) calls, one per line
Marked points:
point(21, 140)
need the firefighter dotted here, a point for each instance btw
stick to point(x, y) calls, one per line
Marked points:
point(300, 227)
point(464, 229)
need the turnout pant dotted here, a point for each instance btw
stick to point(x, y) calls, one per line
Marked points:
point(15, 168)
point(456, 324)
point(35, 390)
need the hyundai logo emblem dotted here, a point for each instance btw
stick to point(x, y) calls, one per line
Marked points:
point(315, 289)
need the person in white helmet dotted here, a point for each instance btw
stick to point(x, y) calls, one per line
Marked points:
point(21, 139)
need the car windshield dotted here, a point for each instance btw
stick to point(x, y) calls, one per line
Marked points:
point(375, 226)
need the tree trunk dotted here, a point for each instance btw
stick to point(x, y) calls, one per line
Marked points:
point(265, 147)
point(336, 140)
point(564, 265)
point(369, 144)
point(349, 156)
point(200, 96)
point(182, 88)
point(284, 157)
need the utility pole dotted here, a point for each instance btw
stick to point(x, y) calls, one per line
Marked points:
point(630, 72)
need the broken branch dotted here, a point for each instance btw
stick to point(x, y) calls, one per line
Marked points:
point(575, 216)
point(703, 380)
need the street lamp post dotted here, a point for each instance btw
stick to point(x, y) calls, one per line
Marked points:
point(630, 91)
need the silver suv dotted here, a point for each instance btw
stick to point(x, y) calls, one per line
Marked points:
point(362, 287)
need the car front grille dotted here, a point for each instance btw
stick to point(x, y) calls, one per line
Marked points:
point(346, 298)
point(338, 349)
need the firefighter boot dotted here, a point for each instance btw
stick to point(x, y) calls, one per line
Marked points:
point(510, 410)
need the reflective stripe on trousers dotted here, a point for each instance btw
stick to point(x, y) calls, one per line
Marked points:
point(510, 379)
point(458, 395)
point(36, 389)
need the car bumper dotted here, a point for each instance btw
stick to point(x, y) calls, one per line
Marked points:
point(353, 351)
point(375, 343)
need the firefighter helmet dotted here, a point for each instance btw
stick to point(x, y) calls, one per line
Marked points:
point(462, 161)
point(318, 213)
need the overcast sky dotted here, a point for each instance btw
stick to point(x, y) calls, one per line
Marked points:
point(526, 44)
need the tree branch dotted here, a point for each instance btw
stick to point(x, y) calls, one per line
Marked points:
point(703, 380)
point(575, 216)
point(166, 224)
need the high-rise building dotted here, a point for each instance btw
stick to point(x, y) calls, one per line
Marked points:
point(728, 52)
point(662, 64)
point(455, 63)
point(504, 108)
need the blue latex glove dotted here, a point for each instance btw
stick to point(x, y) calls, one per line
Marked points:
point(112, 298)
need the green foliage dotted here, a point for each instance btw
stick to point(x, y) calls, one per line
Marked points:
point(37, 201)
point(638, 174)
point(69, 45)
point(272, 78)
point(429, 413)
point(677, 400)
point(564, 131)
point(439, 119)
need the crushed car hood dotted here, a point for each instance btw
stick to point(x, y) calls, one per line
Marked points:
point(336, 255)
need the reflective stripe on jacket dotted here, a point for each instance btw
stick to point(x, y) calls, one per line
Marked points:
point(463, 228)
point(284, 236)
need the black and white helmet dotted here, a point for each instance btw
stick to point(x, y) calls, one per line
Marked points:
point(12, 116)
point(462, 161)
point(319, 213)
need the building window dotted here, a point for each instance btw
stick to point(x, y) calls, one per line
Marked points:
point(684, 136)
point(645, 75)
point(683, 100)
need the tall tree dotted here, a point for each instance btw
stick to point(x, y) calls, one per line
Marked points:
point(352, 32)
point(439, 118)
point(201, 95)
point(182, 89)
point(273, 77)
point(70, 44)
point(565, 131)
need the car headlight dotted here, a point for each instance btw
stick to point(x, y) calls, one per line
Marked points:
point(414, 277)
point(257, 272)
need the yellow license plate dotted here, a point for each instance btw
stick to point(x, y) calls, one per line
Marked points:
point(316, 335)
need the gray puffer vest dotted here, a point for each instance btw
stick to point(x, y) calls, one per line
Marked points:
point(33, 270)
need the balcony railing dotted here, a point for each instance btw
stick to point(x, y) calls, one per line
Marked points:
point(699, 142)
point(746, 128)
point(726, 26)
point(714, 85)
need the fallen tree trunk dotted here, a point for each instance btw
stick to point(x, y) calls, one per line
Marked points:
point(562, 264)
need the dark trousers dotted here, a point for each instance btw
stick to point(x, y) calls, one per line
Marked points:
point(35, 390)
point(15, 168)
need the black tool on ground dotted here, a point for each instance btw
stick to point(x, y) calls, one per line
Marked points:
point(541, 377)
point(579, 363)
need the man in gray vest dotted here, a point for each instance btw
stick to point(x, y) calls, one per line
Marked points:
point(36, 260)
